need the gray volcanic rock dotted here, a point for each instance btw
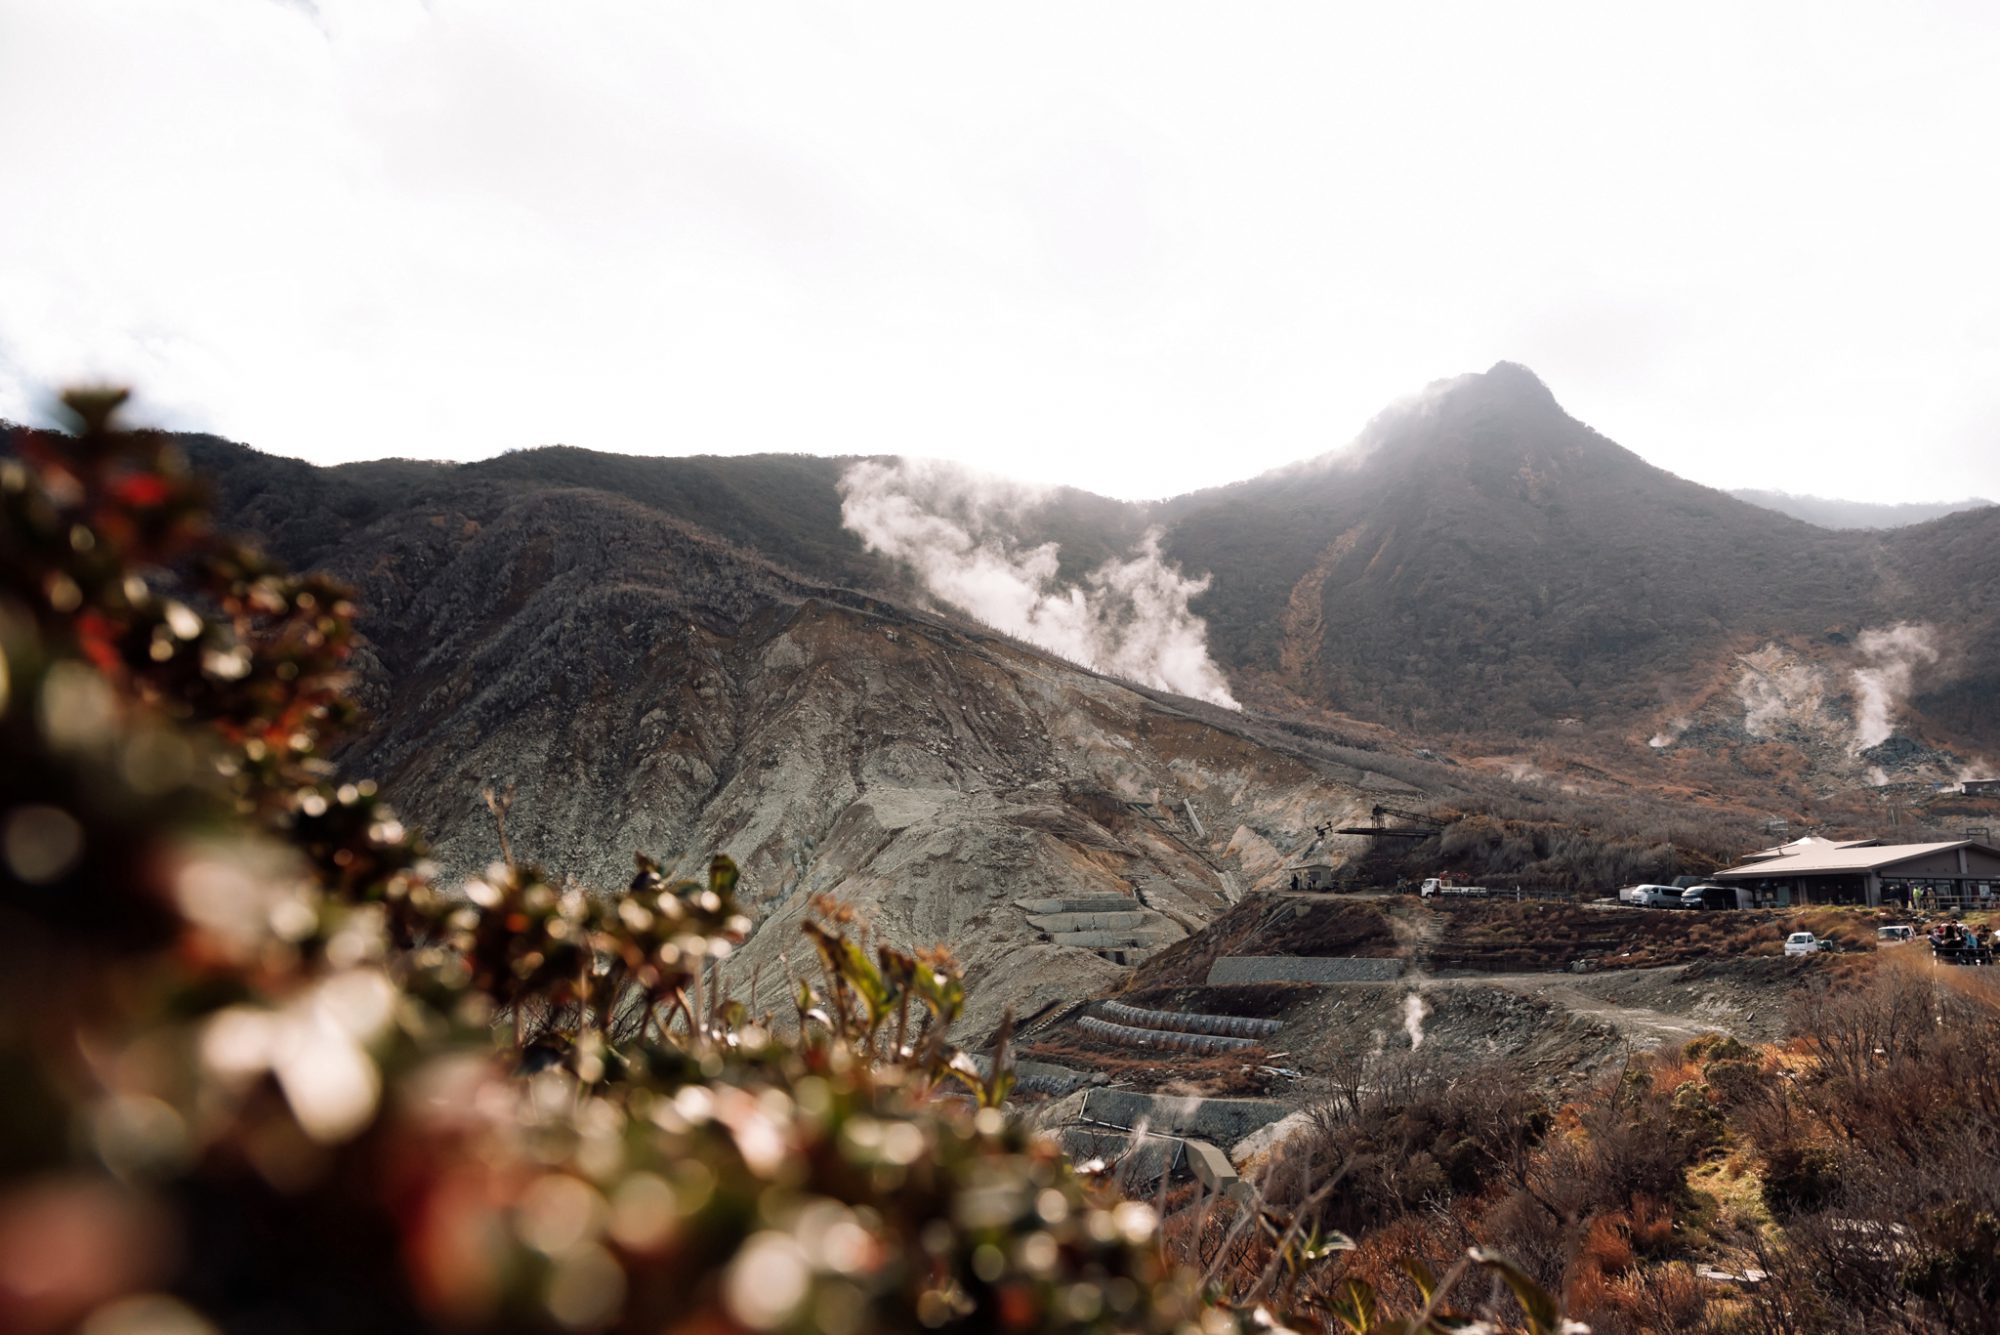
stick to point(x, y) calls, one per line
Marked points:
point(636, 684)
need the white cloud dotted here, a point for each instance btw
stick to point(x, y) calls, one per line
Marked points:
point(1138, 248)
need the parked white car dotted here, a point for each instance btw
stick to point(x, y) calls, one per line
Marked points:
point(1895, 935)
point(1803, 943)
point(1652, 896)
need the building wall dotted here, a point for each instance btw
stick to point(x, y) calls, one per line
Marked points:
point(1955, 872)
point(1937, 864)
point(1984, 865)
point(1786, 891)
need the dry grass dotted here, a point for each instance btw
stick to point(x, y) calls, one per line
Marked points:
point(1734, 1187)
point(1263, 1001)
point(1222, 1074)
point(1500, 936)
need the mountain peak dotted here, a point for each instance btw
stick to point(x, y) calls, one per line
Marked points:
point(1521, 386)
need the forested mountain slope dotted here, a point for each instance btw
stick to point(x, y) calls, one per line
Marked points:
point(1480, 560)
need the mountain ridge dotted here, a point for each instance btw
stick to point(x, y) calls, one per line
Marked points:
point(1478, 564)
point(1835, 513)
point(689, 655)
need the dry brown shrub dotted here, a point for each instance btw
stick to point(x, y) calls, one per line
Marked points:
point(1670, 1074)
point(1607, 1246)
point(1650, 1225)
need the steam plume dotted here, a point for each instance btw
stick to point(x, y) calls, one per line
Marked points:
point(1776, 689)
point(952, 527)
point(1414, 1011)
point(1892, 656)
point(1670, 734)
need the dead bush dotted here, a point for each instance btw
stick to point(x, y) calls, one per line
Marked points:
point(1881, 1156)
point(1418, 1138)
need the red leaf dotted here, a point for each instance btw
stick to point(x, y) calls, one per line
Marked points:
point(142, 491)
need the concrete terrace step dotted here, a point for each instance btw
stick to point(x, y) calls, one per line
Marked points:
point(1166, 1040)
point(1122, 920)
point(1220, 1121)
point(1080, 904)
point(1211, 1167)
point(1163, 933)
point(1302, 969)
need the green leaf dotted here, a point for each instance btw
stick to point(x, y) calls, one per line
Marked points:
point(941, 993)
point(867, 980)
point(1354, 1306)
point(962, 1069)
point(1318, 1246)
point(1544, 1314)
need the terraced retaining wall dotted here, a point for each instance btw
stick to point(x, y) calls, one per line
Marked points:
point(1189, 1022)
point(1165, 1040)
point(1039, 1077)
point(1221, 1121)
point(1094, 922)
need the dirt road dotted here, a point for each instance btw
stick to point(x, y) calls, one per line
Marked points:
point(1642, 1026)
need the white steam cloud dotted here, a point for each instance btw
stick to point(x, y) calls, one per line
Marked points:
point(1892, 656)
point(1776, 689)
point(1414, 1011)
point(954, 528)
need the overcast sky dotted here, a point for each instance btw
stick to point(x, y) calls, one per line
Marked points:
point(1137, 247)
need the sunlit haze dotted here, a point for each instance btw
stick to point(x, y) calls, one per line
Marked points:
point(1139, 248)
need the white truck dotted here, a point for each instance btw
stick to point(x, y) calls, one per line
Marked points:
point(1803, 943)
point(1437, 885)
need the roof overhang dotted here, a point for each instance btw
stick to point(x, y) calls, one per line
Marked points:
point(1850, 860)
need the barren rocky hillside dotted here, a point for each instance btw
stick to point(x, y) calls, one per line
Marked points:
point(638, 684)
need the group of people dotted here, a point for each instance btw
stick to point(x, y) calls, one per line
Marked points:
point(1921, 897)
point(1957, 940)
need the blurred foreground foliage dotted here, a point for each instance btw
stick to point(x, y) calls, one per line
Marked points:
point(262, 1073)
